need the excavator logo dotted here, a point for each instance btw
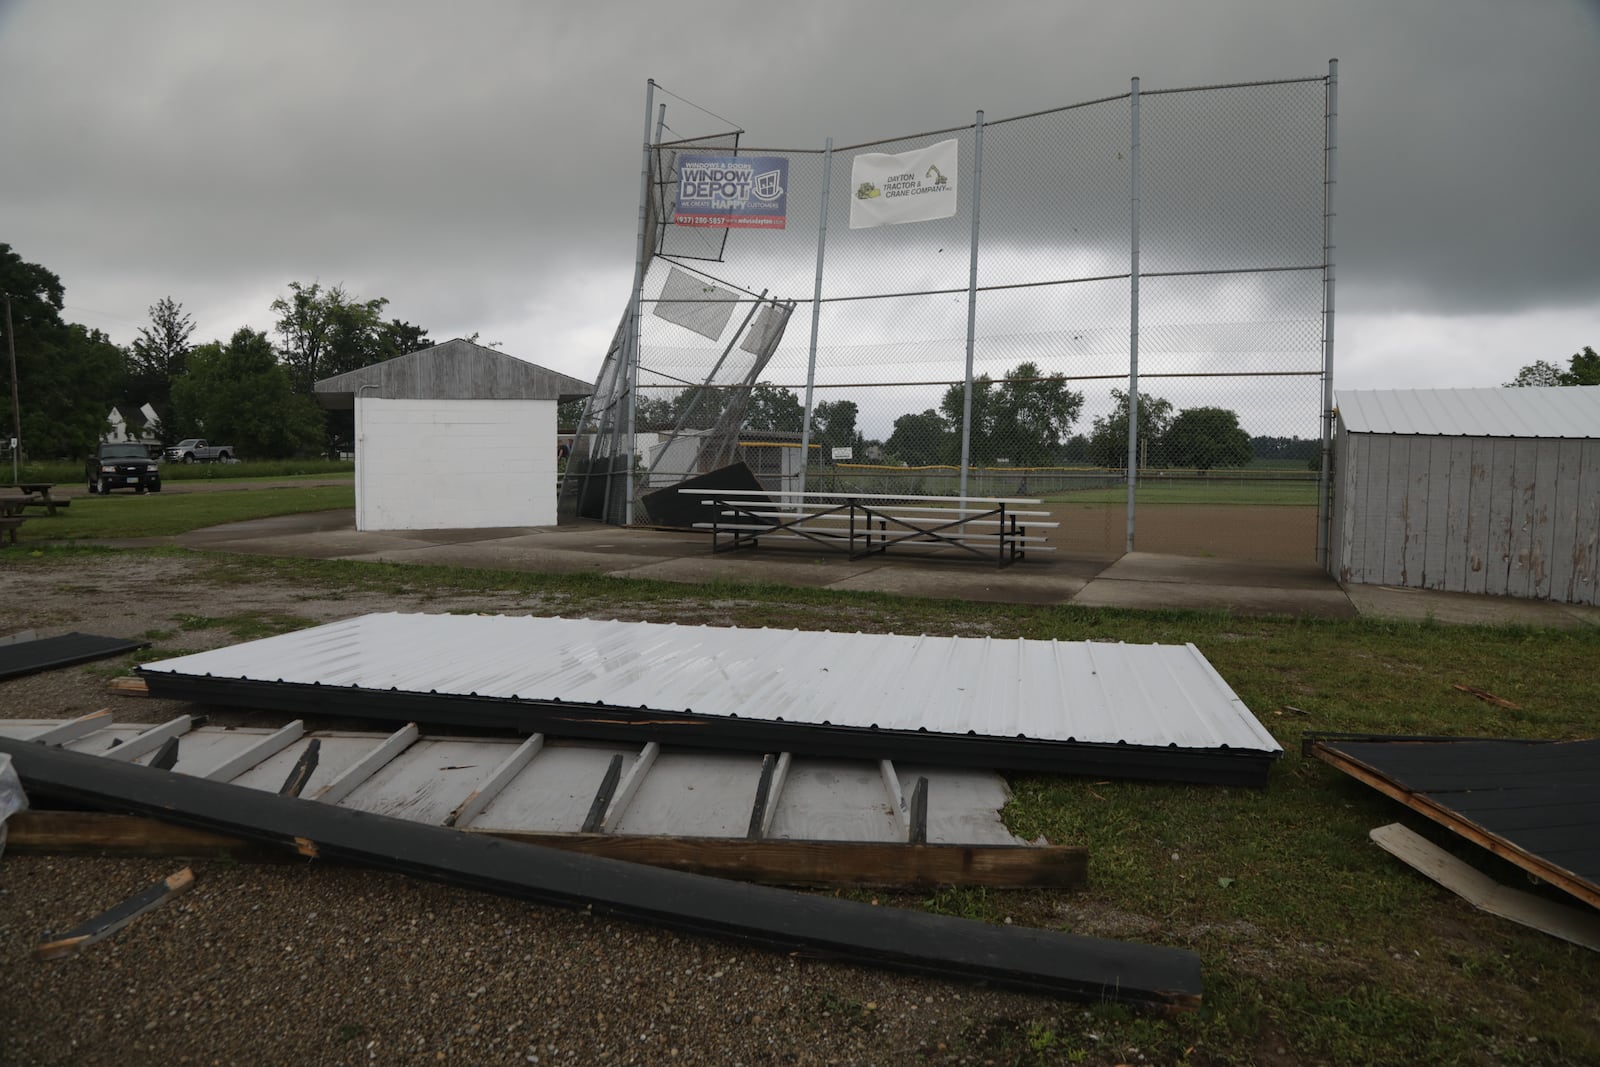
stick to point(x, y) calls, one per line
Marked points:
point(866, 191)
point(937, 175)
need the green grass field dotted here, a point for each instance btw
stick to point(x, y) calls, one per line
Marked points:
point(121, 515)
point(1317, 946)
point(73, 473)
point(1219, 490)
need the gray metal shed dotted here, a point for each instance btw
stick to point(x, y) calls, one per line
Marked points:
point(1469, 490)
point(456, 435)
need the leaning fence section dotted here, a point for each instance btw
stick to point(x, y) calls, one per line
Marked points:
point(1013, 305)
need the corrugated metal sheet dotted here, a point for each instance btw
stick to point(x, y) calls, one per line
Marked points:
point(1153, 695)
point(1566, 412)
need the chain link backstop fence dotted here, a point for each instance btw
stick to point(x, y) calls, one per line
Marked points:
point(1170, 247)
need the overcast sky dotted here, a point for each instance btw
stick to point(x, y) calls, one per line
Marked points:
point(477, 163)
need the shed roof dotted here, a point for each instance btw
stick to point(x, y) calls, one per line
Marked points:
point(1562, 412)
point(455, 370)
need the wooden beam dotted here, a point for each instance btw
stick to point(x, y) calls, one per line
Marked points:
point(630, 786)
point(780, 778)
point(831, 864)
point(758, 808)
point(129, 686)
point(302, 770)
point(368, 765)
point(1035, 960)
point(919, 813)
point(73, 729)
point(897, 799)
point(150, 740)
point(1483, 892)
point(59, 946)
point(495, 784)
point(260, 752)
point(602, 796)
point(166, 756)
point(1423, 804)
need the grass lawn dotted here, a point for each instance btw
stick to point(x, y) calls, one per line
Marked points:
point(1217, 490)
point(1317, 946)
point(165, 514)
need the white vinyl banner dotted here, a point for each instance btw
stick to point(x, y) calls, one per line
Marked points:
point(909, 187)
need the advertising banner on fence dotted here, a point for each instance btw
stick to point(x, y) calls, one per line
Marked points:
point(909, 187)
point(734, 192)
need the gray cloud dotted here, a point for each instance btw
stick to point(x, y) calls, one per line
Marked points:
point(477, 164)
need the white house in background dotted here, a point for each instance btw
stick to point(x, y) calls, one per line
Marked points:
point(132, 431)
point(453, 436)
point(1470, 490)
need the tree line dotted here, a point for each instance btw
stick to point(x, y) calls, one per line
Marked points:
point(253, 391)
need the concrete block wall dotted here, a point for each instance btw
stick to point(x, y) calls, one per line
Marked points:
point(445, 464)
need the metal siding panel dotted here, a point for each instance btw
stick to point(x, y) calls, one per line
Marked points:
point(1436, 543)
point(1502, 509)
point(1564, 520)
point(1520, 539)
point(1478, 514)
point(1542, 532)
point(1082, 691)
point(1458, 544)
point(1586, 553)
point(1396, 486)
point(1350, 501)
point(1414, 514)
point(1369, 524)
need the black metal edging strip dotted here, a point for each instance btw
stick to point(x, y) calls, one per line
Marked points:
point(65, 650)
point(1238, 767)
point(922, 943)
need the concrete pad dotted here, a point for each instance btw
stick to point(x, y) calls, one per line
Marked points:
point(1420, 605)
point(1234, 599)
point(1193, 570)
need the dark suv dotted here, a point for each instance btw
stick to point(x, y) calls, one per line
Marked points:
point(122, 466)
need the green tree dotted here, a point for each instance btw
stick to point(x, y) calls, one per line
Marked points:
point(833, 425)
point(1583, 368)
point(159, 357)
point(1108, 441)
point(239, 394)
point(68, 376)
point(918, 440)
point(1025, 418)
point(1206, 438)
point(773, 408)
point(323, 332)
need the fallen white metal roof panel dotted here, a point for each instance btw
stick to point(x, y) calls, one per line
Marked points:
point(1562, 412)
point(1085, 692)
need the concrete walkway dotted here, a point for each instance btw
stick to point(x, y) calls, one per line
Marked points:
point(1136, 580)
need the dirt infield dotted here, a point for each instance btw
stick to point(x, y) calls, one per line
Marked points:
point(1269, 533)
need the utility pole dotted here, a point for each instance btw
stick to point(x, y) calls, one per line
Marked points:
point(16, 406)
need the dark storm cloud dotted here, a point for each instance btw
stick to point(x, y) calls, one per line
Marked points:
point(478, 163)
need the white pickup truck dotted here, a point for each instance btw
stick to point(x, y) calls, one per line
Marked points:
point(195, 450)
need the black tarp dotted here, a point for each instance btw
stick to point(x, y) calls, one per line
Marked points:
point(48, 653)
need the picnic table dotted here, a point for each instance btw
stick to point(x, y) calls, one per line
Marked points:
point(11, 518)
point(36, 495)
point(867, 523)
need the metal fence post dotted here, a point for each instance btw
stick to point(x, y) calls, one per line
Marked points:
point(632, 341)
point(1329, 176)
point(816, 313)
point(972, 306)
point(1133, 312)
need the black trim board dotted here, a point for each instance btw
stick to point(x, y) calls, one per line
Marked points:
point(1221, 766)
point(48, 653)
point(1044, 961)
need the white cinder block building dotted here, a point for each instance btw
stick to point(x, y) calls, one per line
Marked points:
point(1491, 491)
point(454, 436)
